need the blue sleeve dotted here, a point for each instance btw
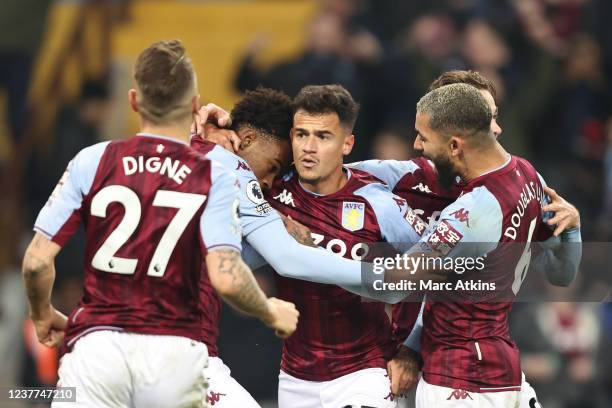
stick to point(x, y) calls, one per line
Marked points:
point(255, 211)
point(561, 256)
point(560, 261)
point(389, 171)
point(391, 214)
point(291, 259)
point(475, 217)
point(220, 222)
point(251, 257)
point(413, 341)
point(67, 196)
point(294, 260)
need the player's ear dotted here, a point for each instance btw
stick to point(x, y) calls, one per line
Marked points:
point(455, 145)
point(248, 136)
point(195, 104)
point(349, 142)
point(132, 100)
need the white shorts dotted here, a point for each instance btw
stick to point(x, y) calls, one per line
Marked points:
point(223, 390)
point(120, 370)
point(529, 399)
point(369, 387)
point(429, 395)
point(406, 400)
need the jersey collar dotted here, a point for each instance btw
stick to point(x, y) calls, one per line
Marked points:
point(348, 172)
point(508, 165)
point(168, 138)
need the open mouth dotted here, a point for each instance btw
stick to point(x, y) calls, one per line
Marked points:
point(308, 162)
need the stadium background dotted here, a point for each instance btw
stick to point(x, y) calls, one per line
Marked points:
point(65, 67)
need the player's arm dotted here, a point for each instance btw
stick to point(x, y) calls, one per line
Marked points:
point(38, 276)
point(55, 224)
point(264, 231)
point(389, 171)
point(233, 280)
point(235, 283)
point(474, 220)
point(399, 226)
point(413, 341)
point(294, 260)
point(403, 369)
point(562, 252)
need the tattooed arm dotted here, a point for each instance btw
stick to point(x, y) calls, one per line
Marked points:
point(38, 276)
point(298, 231)
point(236, 284)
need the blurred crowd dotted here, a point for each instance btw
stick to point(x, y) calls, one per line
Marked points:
point(551, 62)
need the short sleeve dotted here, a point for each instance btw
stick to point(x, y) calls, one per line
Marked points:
point(220, 221)
point(475, 218)
point(389, 172)
point(61, 216)
point(392, 214)
point(255, 211)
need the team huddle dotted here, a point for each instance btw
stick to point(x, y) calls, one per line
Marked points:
point(179, 215)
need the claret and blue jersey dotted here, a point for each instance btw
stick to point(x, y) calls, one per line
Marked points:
point(152, 207)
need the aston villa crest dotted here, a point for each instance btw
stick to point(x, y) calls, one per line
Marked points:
point(353, 215)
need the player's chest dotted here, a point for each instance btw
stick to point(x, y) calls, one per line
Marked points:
point(343, 226)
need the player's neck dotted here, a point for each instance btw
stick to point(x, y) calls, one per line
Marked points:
point(329, 185)
point(174, 131)
point(485, 161)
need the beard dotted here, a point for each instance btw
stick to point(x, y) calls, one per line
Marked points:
point(446, 173)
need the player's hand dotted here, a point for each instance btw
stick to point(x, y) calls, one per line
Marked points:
point(214, 114)
point(50, 327)
point(566, 216)
point(300, 232)
point(283, 317)
point(226, 138)
point(403, 370)
point(218, 116)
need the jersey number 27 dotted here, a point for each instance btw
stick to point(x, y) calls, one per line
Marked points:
point(105, 259)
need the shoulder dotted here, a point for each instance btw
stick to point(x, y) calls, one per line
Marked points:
point(477, 212)
point(420, 167)
point(389, 171)
point(93, 152)
point(380, 198)
point(220, 173)
point(397, 166)
point(479, 201)
point(231, 161)
point(421, 163)
point(85, 164)
point(283, 182)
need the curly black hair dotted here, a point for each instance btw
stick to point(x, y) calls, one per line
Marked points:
point(266, 110)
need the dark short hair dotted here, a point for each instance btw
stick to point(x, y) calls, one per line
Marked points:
point(456, 108)
point(265, 110)
point(164, 75)
point(474, 78)
point(321, 99)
